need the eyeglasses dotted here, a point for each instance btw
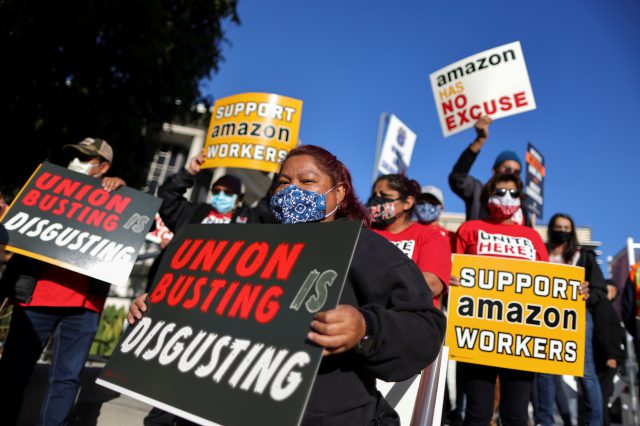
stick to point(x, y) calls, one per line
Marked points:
point(501, 192)
point(217, 190)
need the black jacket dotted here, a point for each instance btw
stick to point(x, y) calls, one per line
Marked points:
point(608, 335)
point(593, 274)
point(176, 211)
point(467, 187)
point(407, 329)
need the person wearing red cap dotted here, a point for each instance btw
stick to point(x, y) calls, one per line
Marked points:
point(49, 300)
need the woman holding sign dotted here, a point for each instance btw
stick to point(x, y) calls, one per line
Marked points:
point(498, 235)
point(385, 326)
point(391, 205)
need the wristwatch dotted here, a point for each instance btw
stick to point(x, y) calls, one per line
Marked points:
point(367, 343)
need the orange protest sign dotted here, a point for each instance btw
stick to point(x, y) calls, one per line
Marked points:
point(517, 314)
point(252, 131)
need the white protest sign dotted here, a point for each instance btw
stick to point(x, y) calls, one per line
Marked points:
point(494, 82)
point(397, 148)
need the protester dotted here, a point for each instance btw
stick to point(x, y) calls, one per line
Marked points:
point(469, 188)
point(564, 248)
point(4, 238)
point(501, 196)
point(429, 208)
point(608, 345)
point(261, 212)
point(385, 325)
point(223, 207)
point(630, 307)
point(3, 205)
point(392, 204)
point(49, 300)
point(176, 211)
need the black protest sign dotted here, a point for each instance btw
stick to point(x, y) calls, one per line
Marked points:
point(224, 338)
point(534, 187)
point(66, 219)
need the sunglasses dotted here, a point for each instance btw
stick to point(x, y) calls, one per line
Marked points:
point(501, 192)
point(227, 191)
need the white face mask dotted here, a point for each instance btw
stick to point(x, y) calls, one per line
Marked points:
point(78, 166)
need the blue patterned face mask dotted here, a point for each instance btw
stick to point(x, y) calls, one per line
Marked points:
point(297, 205)
point(222, 202)
point(427, 212)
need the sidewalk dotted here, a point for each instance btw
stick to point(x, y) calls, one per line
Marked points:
point(96, 405)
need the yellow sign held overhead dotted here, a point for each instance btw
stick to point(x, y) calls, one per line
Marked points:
point(252, 131)
point(517, 314)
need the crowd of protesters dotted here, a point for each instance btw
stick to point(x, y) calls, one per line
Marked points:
point(399, 302)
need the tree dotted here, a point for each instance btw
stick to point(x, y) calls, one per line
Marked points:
point(111, 69)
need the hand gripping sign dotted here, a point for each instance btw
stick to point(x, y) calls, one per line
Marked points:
point(494, 82)
point(66, 219)
point(252, 131)
point(224, 338)
point(517, 314)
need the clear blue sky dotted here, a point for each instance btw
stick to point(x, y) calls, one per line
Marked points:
point(351, 60)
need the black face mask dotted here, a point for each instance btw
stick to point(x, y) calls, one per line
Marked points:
point(382, 211)
point(560, 237)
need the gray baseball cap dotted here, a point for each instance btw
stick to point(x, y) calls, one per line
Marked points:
point(435, 192)
point(93, 147)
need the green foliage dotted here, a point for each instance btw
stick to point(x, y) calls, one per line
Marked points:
point(111, 69)
point(109, 331)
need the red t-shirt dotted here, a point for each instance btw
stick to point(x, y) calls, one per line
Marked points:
point(486, 238)
point(427, 245)
point(63, 288)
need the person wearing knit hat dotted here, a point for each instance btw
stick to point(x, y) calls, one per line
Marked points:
point(507, 162)
point(469, 188)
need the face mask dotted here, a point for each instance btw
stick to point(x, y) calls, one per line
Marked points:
point(78, 166)
point(427, 212)
point(560, 237)
point(382, 211)
point(297, 205)
point(222, 202)
point(502, 208)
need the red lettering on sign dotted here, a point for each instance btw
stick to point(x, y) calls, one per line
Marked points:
point(197, 289)
point(520, 99)
point(451, 122)
point(268, 306)
point(283, 260)
point(260, 250)
point(184, 253)
point(31, 199)
point(160, 290)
